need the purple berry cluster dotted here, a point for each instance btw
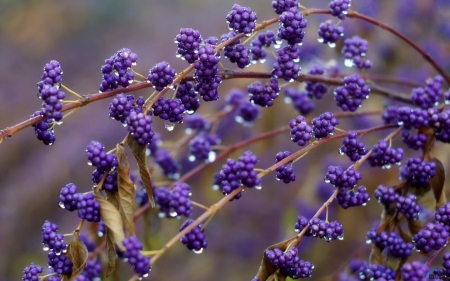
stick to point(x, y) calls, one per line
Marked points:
point(30, 273)
point(186, 93)
point(353, 148)
point(385, 156)
point(161, 75)
point(166, 162)
point(51, 98)
point(88, 207)
point(195, 239)
point(140, 127)
point(117, 70)
point(281, 6)
point(442, 126)
point(414, 141)
point(263, 94)
point(299, 99)
point(395, 245)
point(44, 129)
point(68, 197)
point(241, 20)
point(350, 96)
point(175, 202)
point(286, 66)
point(412, 117)
point(342, 179)
point(264, 39)
point(51, 75)
point(188, 42)
point(289, 263)
point(291, 26)
point(60, 263)
point(169, 109)
point(316, 89)
point(376, 272)
point(324, 125)
point(200, 147)
point(301, 132)
point(386, 195)
point(103, 161)
point(206, 73)
point(348, 198)
point(355, 50)
point(121, 106)
point(196, 122)
point(326, 230)
point(418, 172)
point(236, 52)
point(110, 183)
point(408, 206)
point(139, 263)
point(446, 263)
point(247, 113)
point(428, 96)
point(329, 33)
point(285, 172)
point(442, 216)
point(162, 200)
point(339, 8)
point(415, 271)
point(432, 237)
point(389, 115)
point(51, 240)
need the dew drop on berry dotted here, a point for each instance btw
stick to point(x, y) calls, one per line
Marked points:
point(198, 252)
point(191, 158)
point(169, 125)
point(341, 237)
point(348, 63)
point(258, 187)
point(211, 156)
point(331, 45)
point(215, 187)
point(190, 112)
point(45, 247)
point(61, 205)
point(173, 214)
point(368, 241)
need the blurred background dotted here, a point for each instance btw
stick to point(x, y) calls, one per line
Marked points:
point(82, 34)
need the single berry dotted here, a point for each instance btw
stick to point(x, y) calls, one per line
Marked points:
point(195, 239)
point(139, 263)
point(301, 132)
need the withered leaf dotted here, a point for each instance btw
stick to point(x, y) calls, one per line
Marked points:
point(111, 253)
point(113, 221)
point(266, 268)
point(141, 160)
point(414, 226)
point(113, 198)
point(404, 235)
point(78, 254)
point(437, 184)
point(375, 255)
point(126, 190)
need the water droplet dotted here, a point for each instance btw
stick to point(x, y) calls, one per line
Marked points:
point(191, 158)
point(64, 251)
point(387, 166)
point(447, 102)
point(296, 60)
point(215, 187)
point(89, 163)
point(145, 275)
point(188, 131)
point(58, 122)
point(174, 176)
point(262, 60)
point(327, 181)
point(169, 125)
point(341, 237)
point(331, 45)
point(320, 40)
point(258, 187)
point(161, 215)
point(368, 241)
point(287, 100)
point(173, 214)
point(341, 152)
point(198, 252)
point(100, 234)
point(239, 119)
point(278, 179)
point(61, 205)
point(58, 253)
point(45, 247)
point(348, 62)
point(190, 111)
point(211, 156)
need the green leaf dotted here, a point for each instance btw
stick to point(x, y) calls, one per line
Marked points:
point(141, 159)
point(126, 190)
point(111, 250)
point(78, 254)
point(113, 221)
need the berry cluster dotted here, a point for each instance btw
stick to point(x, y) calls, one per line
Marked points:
point(348, 198)
point(51, 240)
point(196, 122)
point(407, 205)
point(206, 73)
point(195, 239)
point(110, 183)
point(241, 20)
point(117, 70)
point(428, 96)
point(316, 89)
point(432, 237)
point(395, 245)
point(247, 113)
point(200, 147)
point(412, 117)
point(188, 42)
point(68, 197)
point(139, 263)
point(175, 202)
point(355, 50)
point(324, 125)
point(60, 263)
point(326, 230)
point(442, 216)
point(389, 115)
point(263, 95)
point(285, 172)
point(140, 127)
point(353, 148)
point(291, 26)
point(88, 207)
point(289, 263)
point(329, 33)
point(350, 96)
point(301, 132)
point(51, 98)
point(442, 126)
point(161, 75)
point(30, 273)
point(418, 172)
point(44, 129)
point(342, 179)
point(264, 39)
point(103, 161)
point(286, 66)
point(162, 200)
point(300, 100)
point(385, 156)
point(386, 195)
point(414, 141)
point(339, 8)
point(166, 162)
point(446, 263)
point(51, 75)
point(186, 93)
point(169, 109)
point(376, 272)
point(415, 271)
point(121, 106)
point(236, 52)
point(281, 6)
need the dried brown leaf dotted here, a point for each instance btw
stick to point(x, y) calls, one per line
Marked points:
point(113, 221)
point(375, 255)
point(429, 132)
point(404, 235)
point(111, 251)
point(126, 190)
point(437, 184)
point(78, 254)
point(414, 226)
point(113, 198)
point(141, 160)
point(266, 268)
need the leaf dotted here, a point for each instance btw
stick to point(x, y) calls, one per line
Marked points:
point(126, 190)
point(266, 269)
point(437, 184)
point(78, 254)
point(414, 226)
point(113, 221)
point(113, 198)
point(375, 255)
point(141, 159)
point(111, 250)
point(405, 236)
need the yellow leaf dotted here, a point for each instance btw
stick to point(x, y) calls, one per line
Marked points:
point(126, 190)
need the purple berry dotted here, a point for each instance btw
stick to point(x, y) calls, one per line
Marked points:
point(414, 141)
point(230, 178)
point(51, 240)
point(162, 199)
point(385, 156)
point(291, 26)
point(350, 198)
point(355, 50)
point(301, 223)
point(386, 195)
point(51, 105)
point(432, 237)
point(195, 239)
point(281, 6)
point(60, 263)
point(117, 70)
point(339, 8)
point(264, 39)
point(376, 272)
point(98, 158)
point(169, 109)
point(166, 163)
point(324, 125)
point(301, 132)
point(241, 20)
point(342, 179)
point(88, 208)
point(140, 127)
point(441, 126)
point(161, 75)
point(139, 263)
point(188, 42)
point(412, 118)
point(196, 122)
point(316, 89)
point(44, 129)
point(247, 113)
point(289, 263)
point(442, 216)
point(285, 172)
point(352, 147)
point(446, 263)
point(350, 96)
point(414, 271)
point(51, 75)
point(206, 73)
point(120, 107)
point(30, 273)
point(326, 230)
point(286, 66)
point(246, 165)
point(428, 96)
point(179, 202)
point(329, 33)
point(300, 100)
point(200, 147)
point(418, 172)
point(264, 95)
point(407, 205)
point(110, 183)
point(188, 97)
point(68, 197)
point(389, 116)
